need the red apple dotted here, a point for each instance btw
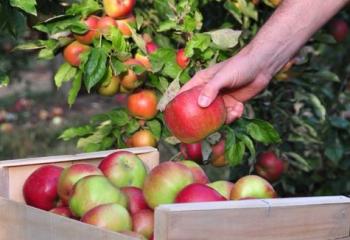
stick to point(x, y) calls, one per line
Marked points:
point(164, 182)
point(191, 123)
point(197, 172)
point(217, 158)
point(136, 201)
point(222, 187)
point(250, 187)
point(144, 60)
point(143, 222)
point(63, 211)
point(123, 169)
point(92, 191)
point(113, 217)
point(118, 8)
point(151, 47)
point(92, 33)
point(72, 53)
point(181, 59)
point(125, 24)
point(71, 175)
point(40, 188)
point(339, 29)
point(130, 80)
point(143, 104)
point(269, 166)
point(192, 151)
point(198, 192)
point(105, 24)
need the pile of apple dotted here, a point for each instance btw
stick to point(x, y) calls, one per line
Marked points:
point(120, 194)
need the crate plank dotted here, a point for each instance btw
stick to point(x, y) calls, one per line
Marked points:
point(20, 222)
point(283, 219)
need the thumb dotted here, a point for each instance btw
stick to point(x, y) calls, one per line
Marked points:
point(209, 93)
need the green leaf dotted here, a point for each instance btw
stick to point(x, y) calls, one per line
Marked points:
point(169, 94)
point(235, 153)
point(299, 161)
point(73, 92)
point(339, 122)
point(158, 82)
point(190, 24)
point(4, 80)
point(29, 6)
point(138, 41)
point(85, 8)
point(133, 126)
point(61, 24)
point(250, 145)
point(234, 10)
point(318, 106)
point(225, 38)
point(119, 117)
point(95, 68)
point(65, 73)
point(29, 46)
point(262, 131)
point(71, 133)
point(162, 57)
point(167, 25)
point(118, 67)
point(199, 41)
point(119, 44)
point(155, 127)
point(93, 142)
point(334, 151)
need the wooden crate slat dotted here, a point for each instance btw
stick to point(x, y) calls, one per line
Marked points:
point(315, 218)
point(20, 222)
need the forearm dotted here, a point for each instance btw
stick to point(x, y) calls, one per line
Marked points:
point(288, 29)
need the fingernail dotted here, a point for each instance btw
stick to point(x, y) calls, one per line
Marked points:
point(203, 101)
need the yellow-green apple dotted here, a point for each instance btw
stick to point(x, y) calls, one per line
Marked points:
point(197, 172)
point(164, 182)
point(92, 191)
point(222, 187)
point(40, 188)
point(181, 59)
point(110, 86)
point(136, 201)
point(191, 123)
point(125, 25)
point(105, 24)
point(72, 53)
point(339, 29)
point(144, 60)
point(217, 157)
point(92, 33)
point(269, 166)
point(197, 192)
point(71, 175)
point(123, 169)
point(142, 138)
point(252, 187)
point(130, 80)
point(143, 104)
point(143, 222)
point(192, 151)
point(112, 216)
point(63, 211)
point(118, 8)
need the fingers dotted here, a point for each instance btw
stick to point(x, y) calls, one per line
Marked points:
point(234, 108)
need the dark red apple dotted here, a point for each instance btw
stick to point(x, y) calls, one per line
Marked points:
point(164, 182)
point(197, 172)
point(40, 188)
point(143, 222)
point(151, 47)
point(198, 192)
point(136, 201)
point(192, 151)
point(112, 216)
point(181, 59)
point(339, 29)
point(191, 123)
point(63, 211)
point(269, 166)
point(217, 157)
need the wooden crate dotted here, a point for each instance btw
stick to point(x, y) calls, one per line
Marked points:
point(315, 218)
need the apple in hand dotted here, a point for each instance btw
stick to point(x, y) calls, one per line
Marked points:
point(191, 123)
point(198, 192)
point(72, 53)
point(92, 191)
point(192, 151)
point(118, 8)
point(222, 187)
point(136, 201)
point(164, 182)
point(92, 33)
point(113, 217)
point(197, 172)
point(269, 166)
point(181, 59)
point(71, 175)
point(123, 169)
point(143, 222)
point(40, 188)
point(252, 187)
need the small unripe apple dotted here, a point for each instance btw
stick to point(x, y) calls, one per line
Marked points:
point(197, 192)
point(142, 138)
point(92, 33)
point(181, 59)
point(269, 166)
point(72, 53)
point(252, 187)
point(110, 86)
point(144, 60)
